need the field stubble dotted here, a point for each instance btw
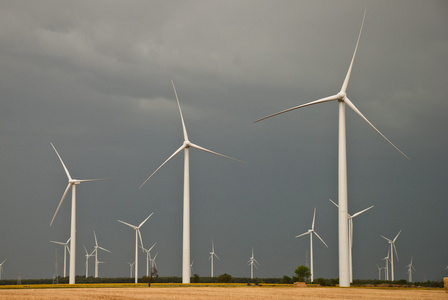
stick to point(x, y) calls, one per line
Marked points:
point(221, 293)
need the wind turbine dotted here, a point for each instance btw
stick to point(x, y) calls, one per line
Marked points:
point(96, 254)
point(87, 260)
point(392, 249)
point(379, 272)
point(386, 268)
point(131, 265)
point(310, 232)
point(1, 268)
point(186, 205)
point(252, 262)
point(350, 240)
point(148, 256)
point(66, 248)
point(341, 97)
point(153, 263)
point(410, 270)
point(137, 235)
point(71, 183)
point(211, 257)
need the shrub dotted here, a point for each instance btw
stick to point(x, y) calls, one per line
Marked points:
point(224, 278)
point(286, 280)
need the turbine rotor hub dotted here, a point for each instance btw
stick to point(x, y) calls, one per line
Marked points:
point(341, 95)
point(187, 144)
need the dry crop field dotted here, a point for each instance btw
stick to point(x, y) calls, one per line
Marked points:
point(254, 292)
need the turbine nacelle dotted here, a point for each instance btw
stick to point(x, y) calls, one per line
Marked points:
point(341, 96)
point(187, 144)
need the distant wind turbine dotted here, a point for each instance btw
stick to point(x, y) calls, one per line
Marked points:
point(137, 235)
point(186, 209)
point(1, 268)
point(341, 97)
point(310, 232)
point(386, 268)
point(392, 249)
point(350, 239)
point(87, 260)
point(252, 262)
point(66, 248)
point(379, 272)
point(71, 183)
point(211, 257)
point(153, 263)
point(148, 257)
point(191, 267)
point(96, 254)
point(131, 265)
point(410, 270)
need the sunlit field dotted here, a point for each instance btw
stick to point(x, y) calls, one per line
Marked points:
point(210, 291)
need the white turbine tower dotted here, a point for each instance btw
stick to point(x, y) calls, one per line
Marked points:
point(392, 249)
point(148, 257)
point(131, 265)
point(341, 97)
point(410, 270)
point(350, 240)
point(386, 268)
point(379, 272)
point(310, 232)
point(95, 249)
point(211, 257)
point(87, 260)
point(186, 209)
point(1, 268)
point(66, 248)
point(71, 183)
point(137, 235)
point(252, 262)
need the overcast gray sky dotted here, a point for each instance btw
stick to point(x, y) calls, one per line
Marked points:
point(93, 77)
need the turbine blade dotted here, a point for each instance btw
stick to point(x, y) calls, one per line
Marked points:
point(314, 218)
point(396, 253)
point(104, 249)
point(145, 220)
point(135, 227)
point(358, 213)
point(155, 257)
point(302, 234)
point(96, 241)
point(181, 116)
point(352, 106)
point(320, 238)
point(397, 236)
point(347, 77)
point(216, 255)
point(152, 246)
point(333, 202)
point(326, 99)
point(88, 180)
point(68, 240)
point(65, 168)
point(176, 152)
point(87, 253)
point(386, 239)
point(140, 236)
point(212, 152)
point(60, 202)
point(58, 243)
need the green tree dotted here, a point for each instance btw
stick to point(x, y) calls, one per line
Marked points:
point(195, 278)
point(286, 280)
point(302, 273)
point(225, 278)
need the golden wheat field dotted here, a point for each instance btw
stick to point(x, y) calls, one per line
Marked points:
point(220, 293)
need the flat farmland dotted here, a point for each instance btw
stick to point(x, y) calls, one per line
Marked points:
point(221, 293)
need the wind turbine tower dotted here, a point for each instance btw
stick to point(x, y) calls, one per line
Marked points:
point(342, 99)
point(137, 235)
point(72, 183)
point(66, 248)
point(392, 249)
point(350, 239)
point(186, 202)
point(310, 232)
point(95, 249)
point(148, 257)
point(1, 268)
point(211, 257)
point(410, 270)
point(252, 262)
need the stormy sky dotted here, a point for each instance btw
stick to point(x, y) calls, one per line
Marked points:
point(94, 78)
